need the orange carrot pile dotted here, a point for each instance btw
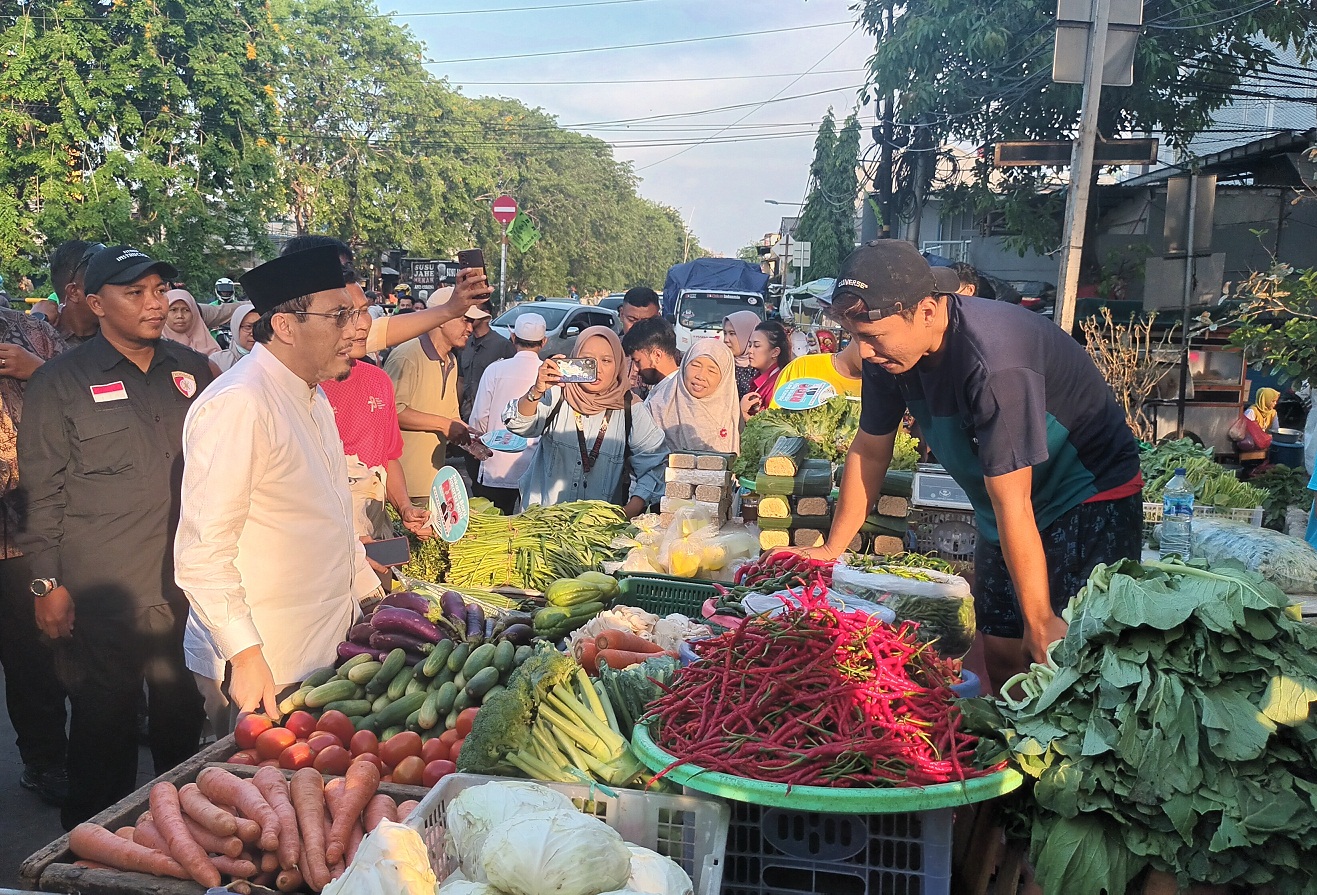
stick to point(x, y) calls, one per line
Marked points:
point(286, 835)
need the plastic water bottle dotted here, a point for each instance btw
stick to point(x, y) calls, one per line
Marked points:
point(1177, 516)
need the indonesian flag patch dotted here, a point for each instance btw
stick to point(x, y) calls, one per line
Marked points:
point(186, 383)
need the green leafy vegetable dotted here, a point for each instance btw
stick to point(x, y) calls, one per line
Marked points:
point(1213, 485)
point(830, 428)
point(1286, 487)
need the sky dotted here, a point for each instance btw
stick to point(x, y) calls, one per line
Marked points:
point(758, 149)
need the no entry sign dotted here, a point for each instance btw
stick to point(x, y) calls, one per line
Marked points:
point(505, 209)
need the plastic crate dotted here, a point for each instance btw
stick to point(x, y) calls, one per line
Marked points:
point(954, 543)
point(664, 594)
point(773, 851)
point(1152, 517)
point(689, 829)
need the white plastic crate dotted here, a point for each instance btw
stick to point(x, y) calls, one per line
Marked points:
point(773, 851)
point(1152, 516)
point(689, 829)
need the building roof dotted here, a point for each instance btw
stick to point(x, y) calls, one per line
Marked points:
point(1278, 160)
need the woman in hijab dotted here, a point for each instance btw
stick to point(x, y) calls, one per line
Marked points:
point(1260, 421)
point(596, 441)
point(698, 408)
point(183, 323)
point(737, 330)
point(241, 341)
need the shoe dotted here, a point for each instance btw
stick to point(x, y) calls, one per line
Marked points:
point(50, 784)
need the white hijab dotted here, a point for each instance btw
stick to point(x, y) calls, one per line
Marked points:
point(711, 423)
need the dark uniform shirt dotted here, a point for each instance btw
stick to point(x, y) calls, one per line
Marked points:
point(101, 448)
point(472, 361)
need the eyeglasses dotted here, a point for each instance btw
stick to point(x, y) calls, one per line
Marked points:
point(342, 319)
point(247, 328)
point(90, 252)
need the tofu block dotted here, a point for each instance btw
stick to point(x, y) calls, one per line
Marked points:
point(712, 461)
point(857, 543)
point(681, 461)
point(772, 540)
point(893, 506)
point(678, 491)
point(711, 493)
point(776, 506)
point(886, 545)
point(813, 506)
point(807, 537)
point(719, 477)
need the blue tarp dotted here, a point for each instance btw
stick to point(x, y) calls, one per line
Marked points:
point(713, 275)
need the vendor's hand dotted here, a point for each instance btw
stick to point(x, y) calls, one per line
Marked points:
point(54, 613)
point(548, 376)
point(634, 507)
point(251, 686)
point(379, 569)
point(750, 405)
point(18, 362)
point(815, 554)
point(1037, 640)
point(471, 289)
point(47, 309)
point(417, 521)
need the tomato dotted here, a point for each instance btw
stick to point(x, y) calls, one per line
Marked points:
point(273, 742)
point(400, 746)
point(434, 750)
point(322, 740)
point(465, 720)
point(448, 737)
point(339, 724)
point(457, 749)
point(249, 727)
point(436, 771)
point(333, 760)
point(301, 723)
point(409, 771)
point(246, 756)
point(364, 741)
point(372, 758)
point(296, 756)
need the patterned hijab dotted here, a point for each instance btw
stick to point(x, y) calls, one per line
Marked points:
point(612, 398)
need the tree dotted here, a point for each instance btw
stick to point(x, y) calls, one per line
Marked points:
point(981, 73)
point(827, 222)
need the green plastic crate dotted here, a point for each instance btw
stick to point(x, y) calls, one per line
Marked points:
point(664, 594)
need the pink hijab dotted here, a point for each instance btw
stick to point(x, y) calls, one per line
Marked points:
point(198, 338)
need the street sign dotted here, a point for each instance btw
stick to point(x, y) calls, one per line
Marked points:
point(1046, 153)
point(505, 209)
point(523, 233)
point(800, 254)
point(1074, 21)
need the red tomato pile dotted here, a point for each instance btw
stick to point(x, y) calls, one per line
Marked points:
point(331, 744)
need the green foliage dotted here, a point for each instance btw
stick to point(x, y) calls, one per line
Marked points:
point(504, 721)
point(1278, 324)
point(827, 221)
point(1286, 487)
point(829, 427)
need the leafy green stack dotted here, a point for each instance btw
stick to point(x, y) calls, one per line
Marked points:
point(1213, 484)
point(829, 429)
point(1172, 730)
point(533, 549)
point(1287, 488)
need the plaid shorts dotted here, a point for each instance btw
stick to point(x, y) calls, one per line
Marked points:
point(1103, 532)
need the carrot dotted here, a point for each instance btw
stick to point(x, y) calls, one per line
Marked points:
point(626, 641)
point(308, 797)
point(235, 867)
point(249, 831)
point(241, 887)
point(205, 812)
point(264, 879)
point(125, 833)
point(274, 787)
point(619, 659)
point(340, 866)
point(226, 789)
point(590, 657)
point(334, 796)
point(359, 785)
point(354, 842)
point(380, 807)
point(406, 808)
point(288, 880)
point(95, 843)
point(269, 862)
point(229, 846)
point(168, 818)
point(148, 836)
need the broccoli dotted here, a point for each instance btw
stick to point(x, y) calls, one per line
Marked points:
point(504, 721)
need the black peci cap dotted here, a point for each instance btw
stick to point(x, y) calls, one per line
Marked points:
point(889, 276)
point(121, 265)
point(292, 276)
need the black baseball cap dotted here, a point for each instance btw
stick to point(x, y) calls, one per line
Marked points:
point(121, 265)
point(890, 276)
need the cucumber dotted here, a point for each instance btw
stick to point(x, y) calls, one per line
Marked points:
point(414, 686)
point(293, 701)
point(438, 658)
point(460, 680)
point(428, 715)
point(397, 712)
point(398, 686)
point(523, 653)
point(493, 691)
point(479, 658)
point(450, 722)
point(330, 692)
point(355, 662)
point(446, 697)
point(381, 703)
point(463, 701)
point(458, 657)
point(505, 655)
point(388, 671)
point(362, 673)
point(320, 676)
point(413, 721)
point(482, 683)
point(365, 722)
point(391, 732)
point(353, 708)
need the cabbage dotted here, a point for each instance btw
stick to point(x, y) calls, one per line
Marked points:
point(653, 874)
point(555, 853)
point(453, 886)
point(479, 809)
point(392, 860)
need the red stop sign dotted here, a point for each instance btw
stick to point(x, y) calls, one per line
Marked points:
point(505, 209)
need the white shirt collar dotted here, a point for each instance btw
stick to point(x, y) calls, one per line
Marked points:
point(283, 377)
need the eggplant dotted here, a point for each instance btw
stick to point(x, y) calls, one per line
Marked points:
point(406, 599)
point(360, 634)
point(475, 624)
point(347, 649)
point(454, 608)
point(404, 621)
point(517, 617)
point(490, 626)
point(519, 634)
point(391, 640)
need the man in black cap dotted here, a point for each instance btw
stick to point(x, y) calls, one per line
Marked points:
point(101, 448)
point(266, 549)
point(1017, 413)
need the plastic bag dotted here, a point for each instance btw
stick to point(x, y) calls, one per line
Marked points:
point(686, 522)
point(1288, 562)
point(942, 604)
point(641, 559)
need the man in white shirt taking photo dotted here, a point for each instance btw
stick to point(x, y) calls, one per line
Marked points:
point(503, 382)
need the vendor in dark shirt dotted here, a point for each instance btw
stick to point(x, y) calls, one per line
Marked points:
point(1019, 416)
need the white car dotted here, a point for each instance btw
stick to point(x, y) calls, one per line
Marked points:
point(564, 319)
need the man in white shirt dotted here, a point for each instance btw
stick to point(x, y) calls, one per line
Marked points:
point(503, 382)
point(266, 550)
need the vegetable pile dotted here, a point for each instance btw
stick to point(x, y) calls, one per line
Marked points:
point(814, 696)
point(775, 571)
point(533, 549)
point(1173, 729)
point(1213, 484)
point(291, 835)
point(1286, 488)
point(829, 428)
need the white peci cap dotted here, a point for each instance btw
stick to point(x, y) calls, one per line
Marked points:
point(530, 328)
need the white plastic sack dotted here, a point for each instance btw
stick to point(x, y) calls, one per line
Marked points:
point(1289, 563)
point(876, 585)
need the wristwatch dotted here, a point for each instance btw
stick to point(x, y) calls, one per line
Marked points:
point(43, 586)
point(532, 397)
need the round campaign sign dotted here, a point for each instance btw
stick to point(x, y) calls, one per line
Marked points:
point(802, 394)
point(505, 441)
point(450, 508)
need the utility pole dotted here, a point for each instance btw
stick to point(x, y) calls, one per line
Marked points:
point(885, 157)
point(1187, 299)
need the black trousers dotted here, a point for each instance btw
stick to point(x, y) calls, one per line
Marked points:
point(33, 693)
point(503, 498)
point(103, 666)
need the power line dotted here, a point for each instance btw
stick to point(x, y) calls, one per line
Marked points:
point(831, 71)
point(478, 12)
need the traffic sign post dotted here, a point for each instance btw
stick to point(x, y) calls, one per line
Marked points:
point(505, 211)
point(800, 254)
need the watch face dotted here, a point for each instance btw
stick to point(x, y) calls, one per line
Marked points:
point(42, 586)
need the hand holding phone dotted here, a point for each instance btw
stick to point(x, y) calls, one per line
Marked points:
point(469, 258)
point(390, 552)
point(578, 369)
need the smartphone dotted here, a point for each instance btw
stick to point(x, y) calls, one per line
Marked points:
point(391, 552)
point(578, 369)
point(470, 258)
